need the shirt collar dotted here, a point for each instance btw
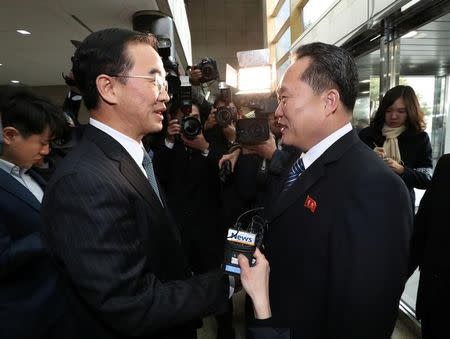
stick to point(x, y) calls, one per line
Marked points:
point(134, 148)
point(316, 151)
point(7, 166)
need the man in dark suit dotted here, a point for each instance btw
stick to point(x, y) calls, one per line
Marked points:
point(339, 220)
point(32, 304)
point(429, 251)
point(107, 221)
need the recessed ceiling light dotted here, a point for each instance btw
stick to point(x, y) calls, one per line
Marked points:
point(22, 31)
point(409, 4)
point(1, 64)
point(365, 81)
point(410, 34)
point(15, 81)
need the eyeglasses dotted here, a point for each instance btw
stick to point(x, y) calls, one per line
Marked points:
point(160, 83)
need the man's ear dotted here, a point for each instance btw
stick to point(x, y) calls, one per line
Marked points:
point(107, 88)
point(332, 99)
point(9, 134)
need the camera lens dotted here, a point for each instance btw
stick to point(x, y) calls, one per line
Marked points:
point(191, 127)
point(225, 115)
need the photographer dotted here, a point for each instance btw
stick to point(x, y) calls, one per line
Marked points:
point(204, 78)
point(187, 169)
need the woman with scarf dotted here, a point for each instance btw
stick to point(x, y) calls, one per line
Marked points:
point(397, 134)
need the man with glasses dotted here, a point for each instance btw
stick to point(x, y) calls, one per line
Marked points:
point(108, 224)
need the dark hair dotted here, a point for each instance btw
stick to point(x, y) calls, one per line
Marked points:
point(30, 114)
point(331, 67)
point(415, 116)
point(104, 52)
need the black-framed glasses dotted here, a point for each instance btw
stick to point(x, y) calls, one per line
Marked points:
point(160, 83)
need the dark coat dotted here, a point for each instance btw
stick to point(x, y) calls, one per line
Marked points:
point(338, 245)
point(416, 153)
point(31, 300)
point(120, 250)
point(191, 183)
point(430, 248)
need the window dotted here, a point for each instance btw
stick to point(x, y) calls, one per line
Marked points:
point(284, 44)
point(313, 10)
point(282, 15)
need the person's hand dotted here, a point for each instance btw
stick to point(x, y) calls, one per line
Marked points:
point(394, 165)
point(198, 143)
point(195, 75)
point(211, 121)
point(173, 129)
point(233, 157)
point(229, 132)
point(380, 152)
point(255, 281)
point(265, 150)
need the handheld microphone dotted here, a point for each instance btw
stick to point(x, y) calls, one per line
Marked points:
point(243, 238)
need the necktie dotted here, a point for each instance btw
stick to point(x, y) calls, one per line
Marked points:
point(295, 171)
point(148, 167)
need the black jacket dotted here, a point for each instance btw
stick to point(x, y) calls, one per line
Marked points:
point(416, 153)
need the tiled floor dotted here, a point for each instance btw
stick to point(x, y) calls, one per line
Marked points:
point(208, 331)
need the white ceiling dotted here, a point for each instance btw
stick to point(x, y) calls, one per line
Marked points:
point(38, 59)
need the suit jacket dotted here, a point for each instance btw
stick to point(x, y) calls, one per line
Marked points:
point(430, 244)
point(120, 250)
point(31, 302)
point(338, 245)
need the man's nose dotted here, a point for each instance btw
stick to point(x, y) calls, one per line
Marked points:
point(45, 149)
point(279, 111)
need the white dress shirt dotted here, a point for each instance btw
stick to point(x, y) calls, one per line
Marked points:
point(317, 150)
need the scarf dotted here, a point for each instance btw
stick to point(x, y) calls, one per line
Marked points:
point(391, 143)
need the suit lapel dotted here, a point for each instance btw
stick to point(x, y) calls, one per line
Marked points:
point(309, 177)
point(127, 165)
point(8, 183)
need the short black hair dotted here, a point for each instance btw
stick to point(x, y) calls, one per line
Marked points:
point(29, 113)
point(331, 67)
point(104, 52)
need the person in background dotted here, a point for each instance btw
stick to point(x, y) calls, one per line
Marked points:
point(32, 303)
point(397, 134)
point(430, 251)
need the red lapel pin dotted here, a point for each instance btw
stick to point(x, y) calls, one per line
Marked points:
point(310, 204)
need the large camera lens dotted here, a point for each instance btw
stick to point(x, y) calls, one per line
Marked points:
point(190, 127)
point(225, 115)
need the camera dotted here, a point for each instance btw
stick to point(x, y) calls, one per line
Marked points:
point(190, 126)
point(225, 115)
point(209, 70)
point(252, 131)
point(170, 65)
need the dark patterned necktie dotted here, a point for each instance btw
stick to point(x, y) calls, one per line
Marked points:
point(294, 173)
point(148, 166)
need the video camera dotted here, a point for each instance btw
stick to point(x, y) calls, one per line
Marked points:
point(208, 67)
point(170, 65)
point(225, 115)
point(190, 126)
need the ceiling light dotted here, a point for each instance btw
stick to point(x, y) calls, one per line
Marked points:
point(22, 31)
point(374, 38)
point(1, 64)
point(365, 81)
point(409, 4)
point(15, 81)
point(364, 92)
point(410, 34)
